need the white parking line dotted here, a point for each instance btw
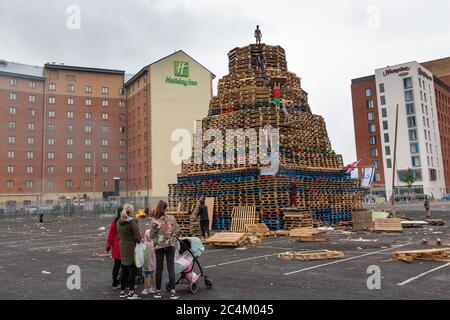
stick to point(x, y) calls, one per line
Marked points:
point(344, 260)
point(241, 260)
point(422, 274)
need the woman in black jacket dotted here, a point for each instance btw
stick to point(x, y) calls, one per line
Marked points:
point(202, 212)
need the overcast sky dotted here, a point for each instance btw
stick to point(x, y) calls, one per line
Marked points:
point(327, 42)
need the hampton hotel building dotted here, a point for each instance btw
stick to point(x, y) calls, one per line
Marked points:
point(422, 92)
point(73, 132)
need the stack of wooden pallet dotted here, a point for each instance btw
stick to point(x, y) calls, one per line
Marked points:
point(442, 255)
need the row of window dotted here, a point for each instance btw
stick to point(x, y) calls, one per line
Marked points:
point(51, 184)
point(31, 83)
point(51, 155)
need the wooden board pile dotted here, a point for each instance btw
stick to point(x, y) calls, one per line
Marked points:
point(442, 255)
point(311, 255)
point(308, 167)
point(388, 225)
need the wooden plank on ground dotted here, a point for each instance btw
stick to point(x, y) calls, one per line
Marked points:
point(362, 220)
point(227, 239)
point(311, 255)
point(258, 229)
point(301, 232)
point(313, 238)
point(388, 225)
point(428, 254)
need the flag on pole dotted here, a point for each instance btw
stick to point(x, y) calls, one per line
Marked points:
point(367, 177)
point(352, 166)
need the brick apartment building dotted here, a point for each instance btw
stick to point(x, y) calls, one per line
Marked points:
point(423, 94)
point(77, 132)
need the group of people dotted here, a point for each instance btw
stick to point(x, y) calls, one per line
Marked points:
point(159, 241)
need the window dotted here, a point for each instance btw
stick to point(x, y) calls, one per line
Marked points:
point(50, 184)
point(413, 135)
point(105, 169)
point(51, 100)
point(88, 89)
point(369, 104)
point(121, 104)
point(122, 116)
point(383, 100)
point(105, 90)
point(69, 114)
point(12, 82)
point(88, 102)
point(32, 99)
point(88, 156)
point(30, 126)
point(384, 113)
point(51, 113)
point(30, 140)
point(381, 87)
point(415, 161)
point(30, 169)
point(407, 83)
point(11, 125)
point(122, 156)
point(375, 164)
point(10, 184)
point(32, 84)
point(121, 91)
point(105, 103)
point(87, 183)
point(51, 141)
point(69, 184)
point(389, 163)
point(368, 92)
point(11, 140)
point(105, 129)
point(11, 154)
point(409, 95)
point(88, 115)
point(105, 183)
point(51, 87)
point(412, 122)
point(372, 140)
point(88, 129)
point(50, 169)
point(385, 125)
point(386, 138)
point(105, 155)
point(12, 110)
point(10, 169)
point(69, 169)
point(31, 112)
point(13, 96)
point(87, 169)
point(29, 184)
point(51, 128)
point(122, 130)
point(88, 142)
point(372, 128)
point(387, 150)
point(374, 152)
point(414, 147)
point(51, 155)
point(69, 128)
point(105, 116)
point(69, 156)
point(105, 142)
point(70, 142)
point(410, 108)
point(433, 175)
point(122, 169)
point(70, 101)
point(30, 155)
point(70, 88)
point(371, 116)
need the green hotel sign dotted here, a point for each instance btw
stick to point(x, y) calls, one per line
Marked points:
point(181, 70)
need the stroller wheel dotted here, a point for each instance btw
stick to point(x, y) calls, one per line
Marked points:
point(208, 284)
point(193, 287)
point(167, 286)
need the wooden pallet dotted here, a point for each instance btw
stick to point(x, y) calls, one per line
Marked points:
point(430, 254)
point(241, 217)
point(298, 220)
point(313, 238)
point(259, 229)
point(388, 225)
point(302, 232)
point(311, 255)
point(362, 220)
point(227, 239)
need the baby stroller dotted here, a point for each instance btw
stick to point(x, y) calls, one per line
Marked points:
point(188, 250)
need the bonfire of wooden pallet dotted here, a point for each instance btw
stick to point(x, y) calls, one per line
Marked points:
point(298, 220)
point(430, 254)
point(311, 255)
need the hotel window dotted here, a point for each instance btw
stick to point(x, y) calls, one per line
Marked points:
point(11, 154)
point(415, 161)
point(88, 129)
point(88, 156)
point(412, 122)
point(88, 115)
point(371, 116)
point(105, 103)
point(50, 169)
point(30, 126)
point(88, 102)
point(51, 87)
point(387, 150)
point(12, 82)
point(31, 112)
point(385, 125)
point(51, 155)
point(433, 174)
point(70, 142)
point(105, 156)
point(384, 113)
point(29, 184)
point(51, 141)
point(70, 101)
point(51, 127)
point(12, 96)
point(105, 183)
point(11, 125)
point(12, 110)
point(386, 137)
point(69, 128)
point(375, 164)
point(87, 169)
point(413, 135)
point(30, 155)
point(10, 169)
point(11, 140)
point(369, 104)
point(105, 142)
point(69, 156)
point(414, 147)
point(69, 114)
point(32, 84)
point(69, 184)
point(389, 163)
point(383, 100)
point(374, 152)
point(409, 95)
point(32, 99)
point(51, 114)
point(88, 89)
point(410, 108)
point(50, 184)
point(10, 184)
point(368, 92)
point(51, 100)
point(30, 140)
point(87, 183)
point(30, 169)
point(105, 116)
point(105, 169)
point(407, 83)
point(372, 128)
point(105, 90)
point(381, 87)
point(70, 88)
point(373, 140)
point(88, 142)
point(105, 129)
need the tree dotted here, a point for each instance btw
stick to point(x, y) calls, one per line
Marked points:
point(409, 179)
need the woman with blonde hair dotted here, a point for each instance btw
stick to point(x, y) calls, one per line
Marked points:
point(163, 230)
point(129, 236)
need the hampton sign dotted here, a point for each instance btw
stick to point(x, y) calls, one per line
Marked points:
point(181, 70)
point(388, 72)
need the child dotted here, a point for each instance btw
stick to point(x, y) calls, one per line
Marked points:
point(149, 265)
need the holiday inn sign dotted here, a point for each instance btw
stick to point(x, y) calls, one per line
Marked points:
point(181, 70)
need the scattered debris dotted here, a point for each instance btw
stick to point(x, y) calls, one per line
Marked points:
point(431, 254)
point(46, 272)
point(102, 229)
point(362, 220)
point(379, 215)
point(435, 222)
point(311, 255)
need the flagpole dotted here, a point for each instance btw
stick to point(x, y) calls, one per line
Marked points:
point(394, 164)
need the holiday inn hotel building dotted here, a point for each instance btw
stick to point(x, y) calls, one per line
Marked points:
point(76, 132)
